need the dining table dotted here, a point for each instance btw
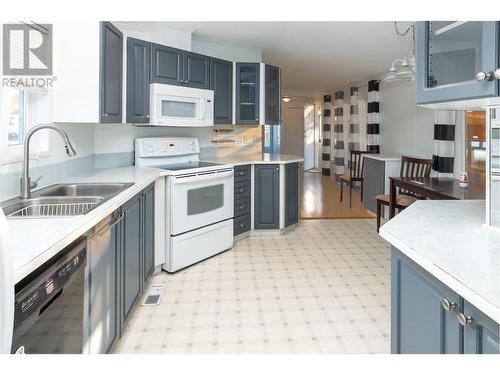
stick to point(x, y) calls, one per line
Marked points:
point(432, 188)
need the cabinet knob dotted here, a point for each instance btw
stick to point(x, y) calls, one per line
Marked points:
point(242, 225)
point(464, 320)
point(147, 116)
point(106, 114)
point(448, 305)
point(241, 190)
point(242, 173)
point(483, 76)
point(242, 207)
point(257, 119)
point(497, 73)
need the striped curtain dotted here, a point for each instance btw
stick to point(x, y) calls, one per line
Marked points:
point(326, 149)
point(444, 143)
point(338, 134)
point(354, 136)
point(373, 118)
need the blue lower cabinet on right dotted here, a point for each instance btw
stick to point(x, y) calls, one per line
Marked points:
point(291, 194)
point(481, 334)
point(429, 318)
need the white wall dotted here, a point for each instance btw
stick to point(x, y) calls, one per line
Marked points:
point(406, 128)
point(225, 51)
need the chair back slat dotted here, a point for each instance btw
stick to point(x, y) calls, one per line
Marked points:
point(415, 167)
point(356, 164)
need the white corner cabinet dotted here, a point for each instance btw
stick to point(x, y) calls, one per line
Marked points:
point(88, 66)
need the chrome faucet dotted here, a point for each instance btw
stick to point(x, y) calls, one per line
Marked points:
point(26, 184)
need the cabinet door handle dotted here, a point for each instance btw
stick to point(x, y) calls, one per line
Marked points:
point(448, 305)
point(483, 76)
point(463, 319)
point(497, 73)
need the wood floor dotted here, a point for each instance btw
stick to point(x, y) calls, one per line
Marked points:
point(321, 199)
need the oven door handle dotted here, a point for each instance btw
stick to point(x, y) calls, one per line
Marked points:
point(203, 177)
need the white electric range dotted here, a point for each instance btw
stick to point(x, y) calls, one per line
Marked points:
point(198, 218)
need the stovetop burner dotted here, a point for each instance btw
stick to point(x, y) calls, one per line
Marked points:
point(187, 165)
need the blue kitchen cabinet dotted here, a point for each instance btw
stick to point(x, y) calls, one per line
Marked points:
point(196, 70)
point(103, 254)
point(173, 66)
point(272, 95)
point(138, 67)
point(427, 317)
point(221, 82)
point(166, 65)
point(291, 193)
point(481, 334)
point(456, 60)
point(131, 257)
point(267, 196)
point(148, 198)
point(247, 93)
point(419, 322)
point(111, 70)
point(136, 249)
point(242, 199)
point(121, 260)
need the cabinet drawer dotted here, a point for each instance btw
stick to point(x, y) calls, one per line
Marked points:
point(241, 190)
point(241, 224)
point(242, 173)
point(241, 207)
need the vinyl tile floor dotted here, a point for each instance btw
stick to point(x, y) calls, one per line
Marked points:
point(324, 287)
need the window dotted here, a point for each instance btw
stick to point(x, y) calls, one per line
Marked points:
point(17, 117)
point(19, 111)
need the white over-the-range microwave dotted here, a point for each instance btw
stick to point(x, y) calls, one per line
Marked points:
point(181, 106)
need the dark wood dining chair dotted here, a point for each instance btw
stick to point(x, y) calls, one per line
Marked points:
point(356, 166)
point(410, 167)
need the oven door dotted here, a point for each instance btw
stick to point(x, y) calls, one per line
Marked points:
point(200, 200)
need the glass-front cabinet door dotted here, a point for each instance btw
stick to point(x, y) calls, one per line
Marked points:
point(456, 60)
point(493, 167)
point(247, 93)
point(273, 95)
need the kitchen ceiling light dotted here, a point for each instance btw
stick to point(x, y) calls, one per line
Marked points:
point(286, 99)
point(403, 69)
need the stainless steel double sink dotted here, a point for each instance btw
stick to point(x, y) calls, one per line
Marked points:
point(63, 200)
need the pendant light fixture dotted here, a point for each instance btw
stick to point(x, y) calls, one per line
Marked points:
point(403, 69)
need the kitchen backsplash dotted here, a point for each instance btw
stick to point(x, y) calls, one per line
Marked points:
point(114, 147)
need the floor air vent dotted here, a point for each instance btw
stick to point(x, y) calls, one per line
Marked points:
point(154, 295)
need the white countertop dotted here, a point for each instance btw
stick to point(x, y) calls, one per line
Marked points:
point(263, 158)
point(383, 157)
point(448, 239)
point(34, 241)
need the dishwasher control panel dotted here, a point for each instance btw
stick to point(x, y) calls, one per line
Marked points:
point(40, 292)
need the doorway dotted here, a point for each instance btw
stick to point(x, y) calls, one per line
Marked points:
point(311, 138)
point(293, 132)
point(476, 147)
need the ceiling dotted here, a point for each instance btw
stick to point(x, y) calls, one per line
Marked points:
point(316, 57)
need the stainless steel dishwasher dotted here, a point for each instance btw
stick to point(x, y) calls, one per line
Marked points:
point(49, 305)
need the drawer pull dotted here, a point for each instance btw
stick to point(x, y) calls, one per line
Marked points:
point(464, 320)
point(447, 305)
